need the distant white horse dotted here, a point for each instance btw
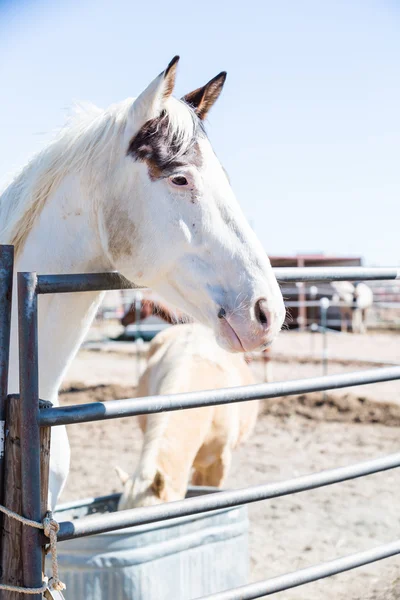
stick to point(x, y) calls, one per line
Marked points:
point(138, 189)
point(356, 300)
point(186, 358)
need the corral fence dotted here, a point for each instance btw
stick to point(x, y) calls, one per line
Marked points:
point(34, 416)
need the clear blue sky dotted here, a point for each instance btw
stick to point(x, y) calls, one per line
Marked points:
point(308, 125)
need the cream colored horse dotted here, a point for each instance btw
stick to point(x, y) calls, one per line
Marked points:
point(187, 358)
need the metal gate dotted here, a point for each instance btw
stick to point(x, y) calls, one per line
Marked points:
point(30, 286)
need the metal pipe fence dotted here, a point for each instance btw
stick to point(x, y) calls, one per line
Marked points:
point(30, 286)
point(94, 282)
point(218, 500)
point(308, 575)
point(317, 304)
point(129, 407)
point(328, 274)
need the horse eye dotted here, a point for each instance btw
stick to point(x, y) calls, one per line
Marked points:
point(179, 180)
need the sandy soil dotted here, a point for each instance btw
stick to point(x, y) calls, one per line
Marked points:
point(293, 436)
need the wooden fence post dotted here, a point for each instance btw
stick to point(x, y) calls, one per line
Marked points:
point(12, 567)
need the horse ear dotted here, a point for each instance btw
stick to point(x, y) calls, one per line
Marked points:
point(158, 484)
point(123, 475)
point(205, 97)
point(150, 102)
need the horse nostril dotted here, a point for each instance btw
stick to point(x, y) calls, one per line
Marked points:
point(221, 313)
point(261, 311)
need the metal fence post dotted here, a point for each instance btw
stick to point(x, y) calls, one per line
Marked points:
point(30, 431)
point(6, 283)
point(314, 317)
point(324, 303)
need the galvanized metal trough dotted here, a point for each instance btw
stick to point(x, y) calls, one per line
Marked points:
point(183, 558)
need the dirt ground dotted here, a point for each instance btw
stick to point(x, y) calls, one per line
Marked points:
point(294, 436)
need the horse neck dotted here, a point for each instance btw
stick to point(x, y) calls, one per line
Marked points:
point(172, 440)
point(162, 454)
point(64, 239)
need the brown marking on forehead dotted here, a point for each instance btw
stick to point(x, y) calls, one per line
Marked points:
point(162, 148)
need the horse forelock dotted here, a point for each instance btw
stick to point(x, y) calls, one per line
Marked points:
point(169, 141)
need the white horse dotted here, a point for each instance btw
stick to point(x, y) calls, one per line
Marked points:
point(137, 189)
point(355, 299)
point(186, 358)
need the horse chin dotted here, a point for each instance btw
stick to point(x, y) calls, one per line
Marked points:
point(227, 338)
point(230, 338)
point(131, 500)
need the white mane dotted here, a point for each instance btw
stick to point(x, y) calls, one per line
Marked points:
point(88, 135)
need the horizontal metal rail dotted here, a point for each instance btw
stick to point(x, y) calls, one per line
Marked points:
point(308, 575)
point(95, 524)
point(114, 409)
point(309, 274)
point(317, 303)
point(82, 282)
point(92, 282)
